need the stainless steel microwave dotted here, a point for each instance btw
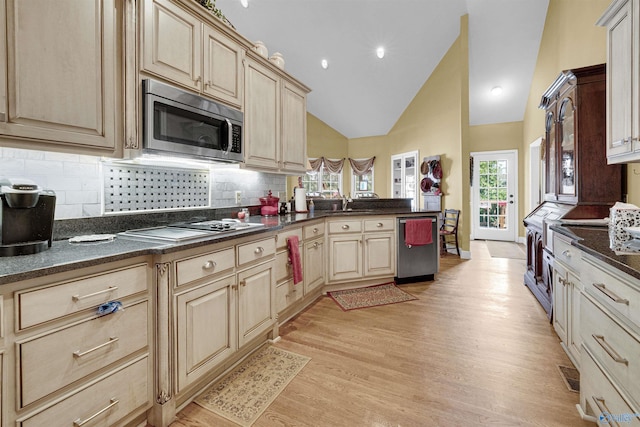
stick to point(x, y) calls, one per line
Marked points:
point(180, 123)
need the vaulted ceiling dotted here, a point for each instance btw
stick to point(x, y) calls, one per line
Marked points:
point(362, 95)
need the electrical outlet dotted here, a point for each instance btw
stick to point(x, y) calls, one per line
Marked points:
point(238, 197)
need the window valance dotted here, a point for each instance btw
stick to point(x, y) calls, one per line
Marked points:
point(362, 166)
point(331, 165)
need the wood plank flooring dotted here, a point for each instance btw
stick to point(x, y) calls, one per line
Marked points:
point(475, 349)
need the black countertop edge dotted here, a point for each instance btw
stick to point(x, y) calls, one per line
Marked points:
point(595, 242)
point(64, 256)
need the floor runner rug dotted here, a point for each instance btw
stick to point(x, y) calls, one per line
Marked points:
point(498, 249)
point(571, 378)
point(244, 393)
point(372, 296)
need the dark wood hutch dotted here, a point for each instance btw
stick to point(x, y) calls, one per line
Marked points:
point(578, 182)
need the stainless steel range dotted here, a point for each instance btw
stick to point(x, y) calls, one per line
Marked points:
point(196, 230)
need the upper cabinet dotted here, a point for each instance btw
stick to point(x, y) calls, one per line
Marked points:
point(576, 167)
point(622, 20)
point(62, 85)
point(180, 47)
point(275, 120)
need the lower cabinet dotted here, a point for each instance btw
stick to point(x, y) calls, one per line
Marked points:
point(314, 262)
point(73, 364)
point(206, 328)
point(256, 301)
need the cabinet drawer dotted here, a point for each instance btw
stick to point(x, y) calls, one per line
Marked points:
point(255, 251)
point(313, 230)
point(597, 392)
point(379, 224)
point(52, 361)
point(617, 292)
point(345, 226)
point(613, 347)
point(198, 267)
point(66, 298)
point(281, 242)
point(564, 252)
point(109, 400)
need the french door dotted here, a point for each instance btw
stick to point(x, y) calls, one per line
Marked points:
point(494, 199)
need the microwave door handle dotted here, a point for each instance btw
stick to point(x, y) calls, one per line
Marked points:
point(229, 136)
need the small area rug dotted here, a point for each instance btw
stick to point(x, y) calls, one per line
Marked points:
point(571, 378)
point(498, 249)
point(372, 296)
point(244, 393)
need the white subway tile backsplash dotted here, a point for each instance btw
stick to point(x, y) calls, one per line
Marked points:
point(83, 190)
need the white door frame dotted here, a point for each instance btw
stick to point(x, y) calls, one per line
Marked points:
point(511, 234)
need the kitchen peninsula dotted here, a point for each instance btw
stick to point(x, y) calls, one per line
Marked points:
point(191, 311)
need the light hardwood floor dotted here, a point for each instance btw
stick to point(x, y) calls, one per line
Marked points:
point(476, 349)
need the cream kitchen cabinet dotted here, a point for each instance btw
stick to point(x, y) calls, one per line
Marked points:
point(610, 329)
point(622, 19)
point(287, 292)
point(62, 86)
point(206, 328)
point(361, 248)
point(314, 257)
point(73, 364)
point(566, 296)
point(256, 301)
point(189, 50)
point(275, 120)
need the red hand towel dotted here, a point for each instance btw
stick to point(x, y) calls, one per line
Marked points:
point(417, 232)
point(294, 259)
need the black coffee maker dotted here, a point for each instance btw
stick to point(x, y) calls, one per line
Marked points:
point(26, 217)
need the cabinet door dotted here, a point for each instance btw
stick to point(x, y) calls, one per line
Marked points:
point(551, 189)
point(223, 73)
point(314, 263)
point(379, 254)
point(262, 116)
point(573, 328)
point(64, 83)
point(560, 301)
point(345, 258)
point(171, 43)
point(567, 150)
point(294, 129)
point(206, 328)
point(619, 81)
point(256, 301)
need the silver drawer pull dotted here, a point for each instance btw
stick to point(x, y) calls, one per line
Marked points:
point(315, 245)
point(345, 227)
point(615, 298)
point(79, 353)
point(315, 231)
point(610, 351)
point(566, 253)
point(209, 265)
point(599, 401)
point(104, 291)
point(258, 250)
point(379, 224)
point(112, 402)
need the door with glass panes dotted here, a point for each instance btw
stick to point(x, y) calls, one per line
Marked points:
point(494, 198)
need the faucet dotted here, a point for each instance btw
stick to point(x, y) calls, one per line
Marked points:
point(346, 201)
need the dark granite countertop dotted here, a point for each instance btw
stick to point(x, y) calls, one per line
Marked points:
point(595, 242)
point(65, 256)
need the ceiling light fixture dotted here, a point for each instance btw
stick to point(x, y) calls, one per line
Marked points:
point(380, 52)
point(324, 64)
point(244, 3)
point(496, 91)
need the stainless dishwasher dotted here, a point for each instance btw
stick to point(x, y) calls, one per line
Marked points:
point(417, 263)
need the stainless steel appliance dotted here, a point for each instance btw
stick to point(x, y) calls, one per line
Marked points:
point(26, 217)
point(416, 263)
point(193, 230)
point(180, 123)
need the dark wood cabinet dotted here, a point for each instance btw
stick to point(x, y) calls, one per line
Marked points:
point(578, 182)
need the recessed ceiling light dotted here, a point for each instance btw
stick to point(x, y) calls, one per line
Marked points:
point(497, 90)
point(380, 52)
point(244, 3)
point(324, 64)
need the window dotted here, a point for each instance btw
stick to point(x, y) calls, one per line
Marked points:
point(362, 185)
point(322, 183)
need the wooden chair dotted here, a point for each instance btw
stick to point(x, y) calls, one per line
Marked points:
point(449, 228)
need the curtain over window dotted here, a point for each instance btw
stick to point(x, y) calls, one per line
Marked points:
point(362, 166)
